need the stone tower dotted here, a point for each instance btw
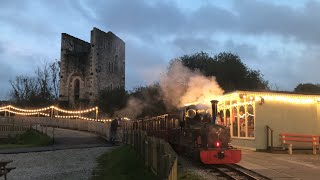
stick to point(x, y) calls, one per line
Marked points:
point(86, 68)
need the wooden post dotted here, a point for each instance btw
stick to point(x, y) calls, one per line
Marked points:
point(9, 111)
point(51, 112)
point(314, 145)
point(53, 135)
point(46, 127)
point(290, 148)
point(97, 111)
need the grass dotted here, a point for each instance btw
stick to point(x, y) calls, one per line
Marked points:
point(122, 164)
point(30, 138)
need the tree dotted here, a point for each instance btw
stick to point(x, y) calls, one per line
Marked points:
point(36, 90)
point(152, 100)
point(307, 88)
point(110, 101)
point(231, 73)
point(24, 90)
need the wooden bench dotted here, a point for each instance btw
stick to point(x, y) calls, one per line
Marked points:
point(5, 170)
point(289, 139)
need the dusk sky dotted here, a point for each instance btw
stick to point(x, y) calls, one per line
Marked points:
point(281, 39)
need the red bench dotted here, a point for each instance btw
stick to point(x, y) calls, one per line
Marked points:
point(290, 139)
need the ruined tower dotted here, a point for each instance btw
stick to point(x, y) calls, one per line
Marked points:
point(86, 68)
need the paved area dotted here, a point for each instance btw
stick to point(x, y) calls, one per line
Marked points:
point(283, 166)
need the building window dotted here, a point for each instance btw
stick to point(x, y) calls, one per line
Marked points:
point(228, 118)
point(111, 87)
point(221, 117)
point(250, 117)
point(235, 122)
point(76, 90)
point(241, 121)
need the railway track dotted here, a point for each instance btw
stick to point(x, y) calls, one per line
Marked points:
point(236, 172)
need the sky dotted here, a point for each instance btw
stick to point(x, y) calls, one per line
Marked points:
point(279, 38)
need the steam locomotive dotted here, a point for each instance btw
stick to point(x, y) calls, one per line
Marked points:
point(193, 131)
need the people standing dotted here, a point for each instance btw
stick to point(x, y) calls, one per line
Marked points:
point(113, 130)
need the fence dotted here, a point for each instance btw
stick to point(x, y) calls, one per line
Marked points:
point(12, 129)
point(99, 128)
point(157, 154)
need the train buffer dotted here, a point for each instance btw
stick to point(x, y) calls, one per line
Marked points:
point(4, 170)
point(299, 140)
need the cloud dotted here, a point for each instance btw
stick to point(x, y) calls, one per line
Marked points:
point(268, 36)
point(259, 17)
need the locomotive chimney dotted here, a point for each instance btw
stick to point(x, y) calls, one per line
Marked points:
point(214, 104)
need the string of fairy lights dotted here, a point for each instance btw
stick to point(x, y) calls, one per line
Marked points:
point(44, 112)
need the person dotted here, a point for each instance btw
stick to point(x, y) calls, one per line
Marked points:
point(113, 130)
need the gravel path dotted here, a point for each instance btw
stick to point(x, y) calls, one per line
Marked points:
point(69, 158)
point(68, 164)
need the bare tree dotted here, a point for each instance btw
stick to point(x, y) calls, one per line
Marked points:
point(25, 88)
point(40, 89)
point(54, 72)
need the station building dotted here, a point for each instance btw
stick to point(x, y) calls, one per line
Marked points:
point(248, 114)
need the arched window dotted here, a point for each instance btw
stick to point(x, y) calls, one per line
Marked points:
point(235, 122)
point(242, 119)
point(228, 118)
point(76, 89)
point(250, 121)
point(221, 116)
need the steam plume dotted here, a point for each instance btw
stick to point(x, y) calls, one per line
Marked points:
point(181, 86)
point(133, 109)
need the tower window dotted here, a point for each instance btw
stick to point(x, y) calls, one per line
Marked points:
point(76, 90)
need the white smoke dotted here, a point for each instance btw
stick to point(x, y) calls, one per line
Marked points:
point(182, 86)
point(179, 86)
point(133, 108)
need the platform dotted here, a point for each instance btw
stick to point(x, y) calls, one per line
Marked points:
point(283, 166)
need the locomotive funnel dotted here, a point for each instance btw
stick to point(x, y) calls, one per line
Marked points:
point(214, 104)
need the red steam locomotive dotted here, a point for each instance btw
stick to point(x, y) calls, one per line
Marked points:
point(193, 131)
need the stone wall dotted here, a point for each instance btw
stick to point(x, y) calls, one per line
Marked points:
point(74, 63)
point(93, 66)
